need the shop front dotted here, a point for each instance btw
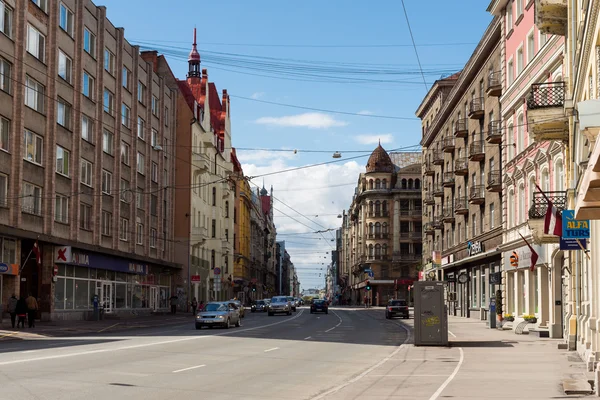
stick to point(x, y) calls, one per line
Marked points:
point(9, 271)
point(123, 286)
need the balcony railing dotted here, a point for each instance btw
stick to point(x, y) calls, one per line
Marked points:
point(494, 84)
point(448, 145)
point(476, 108)
point(448, 214)
point(448, 179)
point(428, 169)
point(494, 133)
point(545, 95)
point(428, 228)
point(461, 166)
point(404, 235)
point(461, 127)
point(477, 194)
point(546, 118)
point(417, 234)
point(539, 204)
point(379, 214)
point(428, 199)
point(438, 190)
point(477, 150)
point(405, 256)
point(437, 222)
point(438, 158)
point(461, 205)
point(494, 183)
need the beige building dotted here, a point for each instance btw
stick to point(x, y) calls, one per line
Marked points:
point(462, 188)
point(381, 238)
point(86, 159)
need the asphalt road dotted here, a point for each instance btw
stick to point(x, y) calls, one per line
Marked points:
point(347, 354)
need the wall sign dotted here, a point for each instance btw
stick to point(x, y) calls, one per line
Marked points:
point(474, 248)
point(71, 256)
point(574, 228)
point(521, 257)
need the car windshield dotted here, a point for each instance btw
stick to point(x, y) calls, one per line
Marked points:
point(215, 307)
point(398, 303)
point(260, 302)
point(290, 299)
point(319, 301)
point(279, 300)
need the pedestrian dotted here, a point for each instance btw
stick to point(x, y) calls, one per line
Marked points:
point(32, 307)
point(12, 309)
point(21, 311)
point(201, 305)
point(194, 305)
point(173, 304)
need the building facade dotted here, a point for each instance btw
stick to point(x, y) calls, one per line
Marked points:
point(462, 188)
point(382, 237)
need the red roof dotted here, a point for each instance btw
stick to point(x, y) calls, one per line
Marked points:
point(237, 166)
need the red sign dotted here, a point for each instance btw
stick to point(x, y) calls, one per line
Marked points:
point(55, 270)
point(405, 282)
point(195, 278)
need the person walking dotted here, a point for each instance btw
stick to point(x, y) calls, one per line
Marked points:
point(32, 307)
point(194, 306)
point(173, 304)
point(21, 311)
point(12, 309)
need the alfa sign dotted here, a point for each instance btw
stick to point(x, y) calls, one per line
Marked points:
point(574, 228)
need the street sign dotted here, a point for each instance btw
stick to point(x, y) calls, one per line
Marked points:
point(574, 228)
point(195, 278)
point(217, 271)
point(55, 270)
point(571, 244)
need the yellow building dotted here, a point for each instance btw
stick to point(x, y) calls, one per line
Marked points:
point(242, 281)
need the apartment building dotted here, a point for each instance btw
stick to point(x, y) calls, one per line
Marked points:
point(86, 162)
point(462, 186)
point(534, 157)
point(263, 247)
point(384, 233)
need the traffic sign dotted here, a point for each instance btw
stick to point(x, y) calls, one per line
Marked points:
point(217, 271)
point(55, 270)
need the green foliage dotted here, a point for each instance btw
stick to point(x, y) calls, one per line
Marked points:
point(499, 302)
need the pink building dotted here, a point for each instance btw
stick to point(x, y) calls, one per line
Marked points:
point(532, 84)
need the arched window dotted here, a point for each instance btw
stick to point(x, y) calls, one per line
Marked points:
point(377, 250)
point(510, 132)
point(417, 184)
point(384, 250)
point(385, 228)
point(559, 171)
point(532, 189)
point(226, 209)
point(377, 207)
point(545, 180)
point(403, 183)
point(521, 203)
point(511, 208)
point(371, 228)
point(371, 207)
point(384, 184)
point(214, 196)
point(371, 184)
point(371, 251)
point(377, 228)
point(384, 207)
point(410, 183)
point(377, 184)
point(520, 134)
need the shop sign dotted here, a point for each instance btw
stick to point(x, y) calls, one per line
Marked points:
point(574, 228)
point(71, 256)
point(448, 259)
point(521, 257)
point(80, 259)
point(573, 244)
point(9, 269)
point(195, 278)
point(138, 268)
point(474, 248)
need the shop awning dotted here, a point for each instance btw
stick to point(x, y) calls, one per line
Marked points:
point(471, 259)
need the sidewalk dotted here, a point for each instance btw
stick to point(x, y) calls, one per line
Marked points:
point(76, 328)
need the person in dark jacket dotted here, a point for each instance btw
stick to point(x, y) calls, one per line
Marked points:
point(21, 311)
point(12, 309)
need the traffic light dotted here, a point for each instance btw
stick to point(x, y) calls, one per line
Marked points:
point(368, 287)
point(254, 288)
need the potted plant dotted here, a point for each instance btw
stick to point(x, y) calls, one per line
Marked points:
point(499, 304)
point(509, 317)
point(530, 318)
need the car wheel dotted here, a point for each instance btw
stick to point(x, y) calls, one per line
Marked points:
point(252, 310)
point(227, 326)
point(387, 316)
point(270, 314)
point(326, 312)
point(311, 311)
point(198, 326)
point(238, 323)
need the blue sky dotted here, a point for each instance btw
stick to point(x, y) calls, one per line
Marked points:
point(330, 34)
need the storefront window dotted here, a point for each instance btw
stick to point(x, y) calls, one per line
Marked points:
point(81, 272)
point(120, 295)
point(536, 299)
point(483, 288)
point(69, 294)
point(474, 290)
point(9, 251)
point(81, 294)
point(523, 292)
point(59, 293)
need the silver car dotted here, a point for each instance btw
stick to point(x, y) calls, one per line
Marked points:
point(219, 313)
point(279, 304)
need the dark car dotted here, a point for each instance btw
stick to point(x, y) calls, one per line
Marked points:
point(259, 305)
point(319, 305)
point(396, 308)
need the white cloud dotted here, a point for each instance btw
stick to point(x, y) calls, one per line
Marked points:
point(307, 120)
point(365, 112)
point(375, 138)
point(264, 156)
point(257, 95)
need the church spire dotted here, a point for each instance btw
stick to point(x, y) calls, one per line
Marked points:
point(194, 60)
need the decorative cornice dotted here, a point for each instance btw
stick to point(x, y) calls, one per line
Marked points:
point(589, 30)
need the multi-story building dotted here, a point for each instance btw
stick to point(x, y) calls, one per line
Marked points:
point(532, 86)
point(462, 178)
point(384, 229)
point(86, 163)
point(242, 236)
point(205, 166)
point(262, 244)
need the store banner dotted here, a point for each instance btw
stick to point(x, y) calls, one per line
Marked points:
point(71, 256)
point(9, 269)
point(521, 257)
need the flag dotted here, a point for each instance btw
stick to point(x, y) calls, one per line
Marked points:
point(553, 218)
point(38, 255)
point(534, 255)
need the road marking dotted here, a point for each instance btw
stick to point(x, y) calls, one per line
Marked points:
point(308, 337)
point(365, 373)
point(137, 346)
point(108, 327)
point(274, 348)
point(30, 351)
point(188, 368)
point(451, 377)
point(411, 375)
point(339, 323)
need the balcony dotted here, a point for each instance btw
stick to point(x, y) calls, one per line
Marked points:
point(400, 256)
point(428, 228)
point(477, 151)
point(428, 199)
point(476, 108)
point(545, 112)
point(461, 206)
point(551, 16)
point(200, 161)
point(438, 191)
point(404, 235)
point(448, 214)
point(461, 128)
point(448, 179)
point(416, 235)
point(379, 214)
point(494, 84)
point(199, 233)
point(461, 166)
point(537, 213)
point(448, 145)
point(438, 158)
point(494, 133)
point(416, 213)
point(494, 183)
point(428, 169)
point(437, 222)
point(477, 194)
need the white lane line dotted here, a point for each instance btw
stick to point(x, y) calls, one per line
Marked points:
point(308, 337)
point(187, 369)
point(30, 351)
point(274, 348)
point(330, 329)
point(410, 375)
point(339, 323)
point(451, 377)
point(137, 346)
point(365, 373)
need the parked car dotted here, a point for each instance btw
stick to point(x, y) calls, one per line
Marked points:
point(279, 304)
point(292, 303)
point(259, 305)
point(396, 307)
point(319, 306)
point(219, 313)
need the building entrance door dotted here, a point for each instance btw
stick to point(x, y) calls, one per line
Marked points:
point(104, 292)
point(153, 298)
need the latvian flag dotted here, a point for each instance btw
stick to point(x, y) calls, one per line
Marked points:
point(553, 218)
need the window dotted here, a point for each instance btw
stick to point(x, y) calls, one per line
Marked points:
point(42, 4)
point(141, 92)
point(89, 42)
point(139, 198)
point(520, 134)
point(36, 43)
point(509, 17)
point(153, 205)
point(474, 224)
point(511, 209)
point(124, 229)
point(214, 196)
point(530, 47)
point(3, 190)
point(165, 181)
point(226, 209)
point(511, 72)
point(213, 231)
point(152, 238)
point(6, 19)
point(63, 113)
point(167, 116)
point(154, 138)
point(86, 172)
point(34, 94)
point(521, 203)
point(125, 150)
point(125, 115)
point(108, 142)
point(109, 61)
point(66, 21)
point(65, 66)
point(5, 74)
point(4, 133)
point(519, 9)
point(63, 157)
point(61, 209)
point(106, 182)
point(474, 287)
point(33, 147)
point(126, 77)
point(543, 39)
point(106, 223)
point(87, 128)
point(88, 85)
point(492, 216)
point(560, 178)
point(32, 199)
point(109, 101)
point(155, 106)
point(154, 172)
point(483, 288)
point(125, 192)
point(141, 163)
point(519, 60)
point(140, 128)
point(139, 230)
